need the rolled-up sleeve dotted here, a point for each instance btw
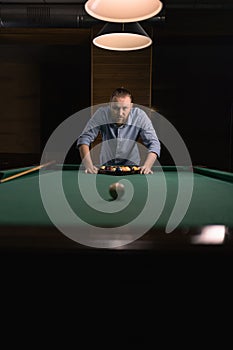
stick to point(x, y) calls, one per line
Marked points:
point(89, 133)
point(149, 137)
point(87, 137)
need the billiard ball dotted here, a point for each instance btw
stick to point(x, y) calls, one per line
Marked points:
point(116, 190)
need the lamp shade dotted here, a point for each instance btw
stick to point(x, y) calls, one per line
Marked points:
point(123, 11)
point(122, 37)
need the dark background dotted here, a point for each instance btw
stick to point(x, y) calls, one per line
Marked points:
point(193, 79)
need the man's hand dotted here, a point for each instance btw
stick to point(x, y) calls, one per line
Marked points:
point(91, 170)
point(145, 170)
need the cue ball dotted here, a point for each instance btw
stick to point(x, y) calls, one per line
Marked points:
point(116, 190)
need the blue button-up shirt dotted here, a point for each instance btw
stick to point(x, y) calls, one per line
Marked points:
point(119, 143)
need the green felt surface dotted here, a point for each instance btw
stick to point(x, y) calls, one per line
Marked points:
point(21, 203)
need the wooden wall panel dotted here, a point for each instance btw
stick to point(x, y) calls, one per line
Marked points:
point(20, 108)
point(44, 78)
point(112, 69)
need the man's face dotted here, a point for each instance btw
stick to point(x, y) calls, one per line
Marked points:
point(120, 109)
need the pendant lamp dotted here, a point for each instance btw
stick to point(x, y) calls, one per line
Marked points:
point(123, 11)
point(122, 37)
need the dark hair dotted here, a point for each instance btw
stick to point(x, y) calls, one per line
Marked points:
point(121, 92)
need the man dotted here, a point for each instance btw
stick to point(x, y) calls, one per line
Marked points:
point(120, 125)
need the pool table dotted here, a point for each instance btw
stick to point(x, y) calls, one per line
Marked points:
point(62, 209)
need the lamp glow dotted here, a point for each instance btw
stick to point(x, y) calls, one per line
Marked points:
point(122, 37)
point(123, 11)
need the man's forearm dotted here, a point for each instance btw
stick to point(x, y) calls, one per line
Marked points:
point(85, 155)
point(86, 158)
point(150, 159)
